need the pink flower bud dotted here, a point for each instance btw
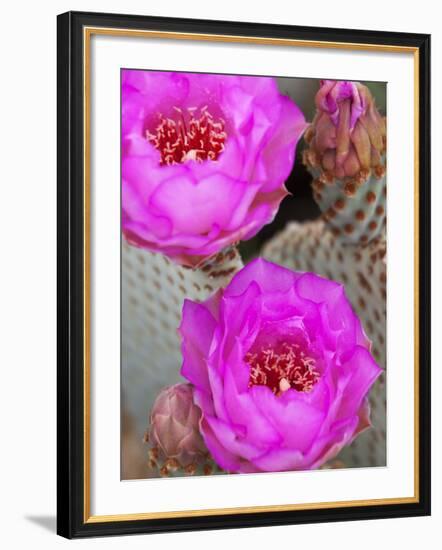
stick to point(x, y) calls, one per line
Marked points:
point(174, 427)
point(347, 137)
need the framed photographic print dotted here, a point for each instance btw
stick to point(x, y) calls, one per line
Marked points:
point(235, 345)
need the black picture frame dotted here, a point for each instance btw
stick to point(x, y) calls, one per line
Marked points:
point(72, 521)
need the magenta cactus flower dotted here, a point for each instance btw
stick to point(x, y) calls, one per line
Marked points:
point(174, 427)
point(281, 369)
point(204, 161)
point(347, 137)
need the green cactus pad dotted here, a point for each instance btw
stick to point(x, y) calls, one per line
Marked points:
point(355, 210)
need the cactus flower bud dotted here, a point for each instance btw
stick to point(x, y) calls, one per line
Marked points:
point(174, 436)
point(347, 137)
point(346, 156)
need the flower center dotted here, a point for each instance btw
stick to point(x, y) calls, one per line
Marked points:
point(282, 367)
point(193, 134)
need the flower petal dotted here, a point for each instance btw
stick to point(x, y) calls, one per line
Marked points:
point(196, 343)
point(268, 276)
point(364, 373)
point(295, 420)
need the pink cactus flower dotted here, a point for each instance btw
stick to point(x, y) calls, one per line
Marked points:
point(174, 426)
point(204, 159)
point(281, 369)
point(348, 135)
